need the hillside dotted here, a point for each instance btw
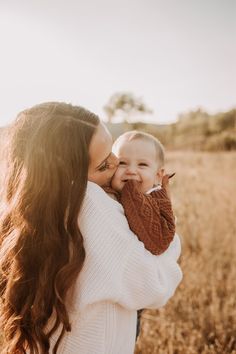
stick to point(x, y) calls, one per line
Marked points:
point(196, 130)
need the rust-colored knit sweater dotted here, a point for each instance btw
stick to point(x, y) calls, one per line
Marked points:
point(150, 216)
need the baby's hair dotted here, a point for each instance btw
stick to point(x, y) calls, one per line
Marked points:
point(135, 135)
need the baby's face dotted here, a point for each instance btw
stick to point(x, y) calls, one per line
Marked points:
point(137, 161)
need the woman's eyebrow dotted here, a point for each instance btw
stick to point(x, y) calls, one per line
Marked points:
point(103, 161)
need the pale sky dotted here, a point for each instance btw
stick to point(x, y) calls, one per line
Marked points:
point(177, 55)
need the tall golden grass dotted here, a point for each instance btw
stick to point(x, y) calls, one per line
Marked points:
point(201, 316)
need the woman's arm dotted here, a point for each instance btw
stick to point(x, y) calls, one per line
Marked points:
point(117, 266)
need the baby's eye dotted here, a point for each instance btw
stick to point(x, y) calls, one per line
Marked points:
point(122, 163)
point(143, 164)
point(104, 166)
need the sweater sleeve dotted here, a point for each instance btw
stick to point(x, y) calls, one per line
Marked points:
point(160, 275)
point(117, 266)
point(150, 217)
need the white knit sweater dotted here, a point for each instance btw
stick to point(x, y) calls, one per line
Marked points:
point(119, 277)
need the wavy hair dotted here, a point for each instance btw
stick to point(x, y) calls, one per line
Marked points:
point(41, 247)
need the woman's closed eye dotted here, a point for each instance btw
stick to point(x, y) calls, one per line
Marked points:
point(104, 166)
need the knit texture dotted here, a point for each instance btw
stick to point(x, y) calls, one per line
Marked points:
point(119, 277)
point(150, 216)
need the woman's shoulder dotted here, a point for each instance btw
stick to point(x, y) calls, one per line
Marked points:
point(93, 188)
point(94, 191)
point(97, 202)
point(96, 195)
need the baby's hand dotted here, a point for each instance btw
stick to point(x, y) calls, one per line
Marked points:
point(165, 182)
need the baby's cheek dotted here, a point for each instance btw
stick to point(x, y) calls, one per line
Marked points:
point(116, 179)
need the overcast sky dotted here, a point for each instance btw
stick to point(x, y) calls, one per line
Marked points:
point(175, 54)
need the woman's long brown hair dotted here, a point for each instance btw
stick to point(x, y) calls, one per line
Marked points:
point(41, 247)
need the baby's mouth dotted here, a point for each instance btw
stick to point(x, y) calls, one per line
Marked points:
point(130, 179)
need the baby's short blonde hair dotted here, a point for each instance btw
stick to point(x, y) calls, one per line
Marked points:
point(135, 135)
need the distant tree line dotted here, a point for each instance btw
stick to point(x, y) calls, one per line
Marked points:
point(202, 131)
point(196, 130)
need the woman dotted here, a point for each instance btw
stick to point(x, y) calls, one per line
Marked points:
point(72, 273)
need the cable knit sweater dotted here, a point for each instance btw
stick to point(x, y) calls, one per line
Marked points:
point(119, 277)
point(150, 216)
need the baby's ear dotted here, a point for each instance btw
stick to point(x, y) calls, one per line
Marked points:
point(159, 175)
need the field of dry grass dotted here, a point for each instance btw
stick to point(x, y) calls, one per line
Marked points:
point(201, 317)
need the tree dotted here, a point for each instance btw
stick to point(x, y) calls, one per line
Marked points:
point(126, 105)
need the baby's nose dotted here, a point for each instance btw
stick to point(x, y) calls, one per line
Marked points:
point(131, 170)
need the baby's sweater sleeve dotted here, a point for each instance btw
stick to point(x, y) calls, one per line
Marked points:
point(117, 266)
point(150, 216)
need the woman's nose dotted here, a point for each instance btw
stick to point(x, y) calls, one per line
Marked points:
point(113, 161)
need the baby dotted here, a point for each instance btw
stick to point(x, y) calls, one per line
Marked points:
point(141, 158)
point(141, 186)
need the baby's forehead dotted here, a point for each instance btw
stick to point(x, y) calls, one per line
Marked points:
point(143, 141)
point(124, 142)
point(139, 149)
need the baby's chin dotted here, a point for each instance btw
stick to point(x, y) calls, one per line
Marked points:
point(117, 186)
